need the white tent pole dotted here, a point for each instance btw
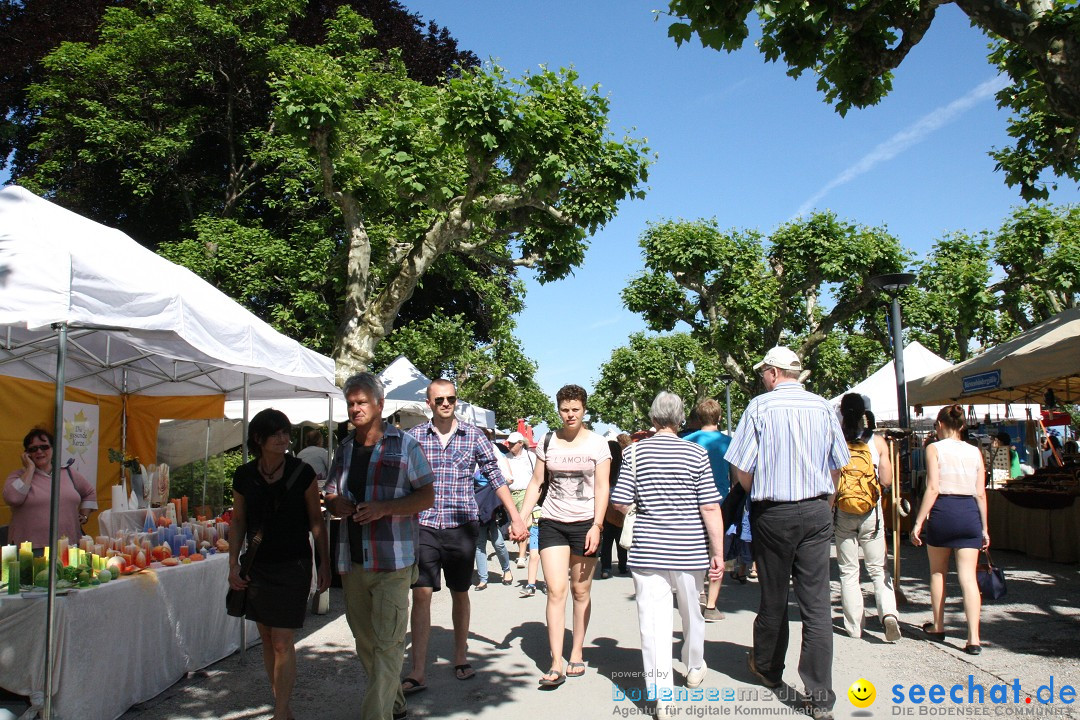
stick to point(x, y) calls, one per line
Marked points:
point(329, 430)
point(123, 432)
point(244, 451)
point(54, 519)
point(206, 462)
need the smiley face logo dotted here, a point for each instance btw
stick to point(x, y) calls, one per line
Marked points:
point(861, 693)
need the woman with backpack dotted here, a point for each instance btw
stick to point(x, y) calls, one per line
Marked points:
point(954, 512)
point(858, 521)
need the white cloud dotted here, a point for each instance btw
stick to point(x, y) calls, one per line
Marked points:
point(909, 136)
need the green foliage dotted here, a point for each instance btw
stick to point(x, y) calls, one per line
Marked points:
point(1038, 251)
point(306, 172)
point(951, 304)
point(853, 49)
point(217, 472)
point(740, 293)
point(633, 376)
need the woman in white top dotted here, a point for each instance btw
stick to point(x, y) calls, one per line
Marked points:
point(575, 464)
point(954, 512)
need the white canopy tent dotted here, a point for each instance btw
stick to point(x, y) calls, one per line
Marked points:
point(137, 323)
point(406, 396)
point(186, 441)
point(880, 388)
point(85, 306)
point(1046, 357)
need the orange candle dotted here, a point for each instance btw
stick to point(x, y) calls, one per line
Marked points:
point(183, 505)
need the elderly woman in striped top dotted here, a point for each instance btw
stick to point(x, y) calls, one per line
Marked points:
point(678, 537)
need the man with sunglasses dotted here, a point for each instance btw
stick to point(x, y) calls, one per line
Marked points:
point(449, 529)
point(787, 453)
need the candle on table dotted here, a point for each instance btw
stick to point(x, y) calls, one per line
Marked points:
point(12, 572)
point(26, 563)
point(8, 554)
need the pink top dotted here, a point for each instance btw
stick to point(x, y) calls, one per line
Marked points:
point(958, 467)
point(30, 505)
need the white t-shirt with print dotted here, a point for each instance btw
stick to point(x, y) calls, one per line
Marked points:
point(573, 469)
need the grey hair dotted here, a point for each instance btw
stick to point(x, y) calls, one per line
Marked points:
point(667, 410)
point(369, 383)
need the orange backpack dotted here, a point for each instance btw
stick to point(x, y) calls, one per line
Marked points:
point(858, 490)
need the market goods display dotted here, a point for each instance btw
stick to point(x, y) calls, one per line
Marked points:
point(95, 560)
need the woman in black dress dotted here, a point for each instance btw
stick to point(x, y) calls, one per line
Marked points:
point(277, 495)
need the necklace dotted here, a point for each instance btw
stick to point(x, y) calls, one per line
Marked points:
point(270, 475)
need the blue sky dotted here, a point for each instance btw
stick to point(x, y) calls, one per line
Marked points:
point(741, 141)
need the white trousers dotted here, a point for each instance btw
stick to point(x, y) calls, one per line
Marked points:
point(866, 532)
point(656, 622)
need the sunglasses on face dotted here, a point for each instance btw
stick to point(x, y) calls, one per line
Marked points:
point(448, 400)
point(38, 448)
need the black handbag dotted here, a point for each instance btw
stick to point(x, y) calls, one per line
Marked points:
point(236, 600)
point(991, 579)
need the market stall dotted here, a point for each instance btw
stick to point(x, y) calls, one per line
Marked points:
point(880, 389)
point(89, 315)
point(1038, 513)
point(121, 643)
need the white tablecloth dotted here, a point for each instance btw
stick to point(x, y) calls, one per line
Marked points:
point(121, 643)
point(113, 521)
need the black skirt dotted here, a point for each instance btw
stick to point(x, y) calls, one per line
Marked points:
point(954, 522)
point(278, 592)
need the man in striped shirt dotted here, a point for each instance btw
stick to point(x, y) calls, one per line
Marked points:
point(787, 452)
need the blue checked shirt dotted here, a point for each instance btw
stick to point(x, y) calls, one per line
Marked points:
point(397, 468)
point(789, 440)
point(455, 498)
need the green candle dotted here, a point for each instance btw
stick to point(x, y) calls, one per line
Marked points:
point(26, 565)
point(13, 578)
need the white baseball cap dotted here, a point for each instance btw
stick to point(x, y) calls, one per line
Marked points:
point(515, 437)
point(782, 358)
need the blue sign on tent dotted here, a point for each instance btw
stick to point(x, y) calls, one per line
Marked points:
point(982, 381)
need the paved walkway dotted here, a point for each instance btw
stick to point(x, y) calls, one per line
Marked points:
point(1031, 639)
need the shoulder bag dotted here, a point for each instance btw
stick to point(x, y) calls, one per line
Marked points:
point(626, 538)
point(236, 600)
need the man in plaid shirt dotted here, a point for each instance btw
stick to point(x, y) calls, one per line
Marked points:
point(379, 481)
point(449, 529)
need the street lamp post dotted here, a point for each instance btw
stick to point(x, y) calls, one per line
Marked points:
point(893, 284)
point(727, 397)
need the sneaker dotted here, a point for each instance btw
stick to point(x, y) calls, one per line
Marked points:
point(696, 676)
point(521, 562)
point(712, 614)
point(528, 591)
point(892, 628)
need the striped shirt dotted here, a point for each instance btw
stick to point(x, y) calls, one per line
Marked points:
point(789, 440)
point(455, 496)
point(670, 479)
point(397, 467)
